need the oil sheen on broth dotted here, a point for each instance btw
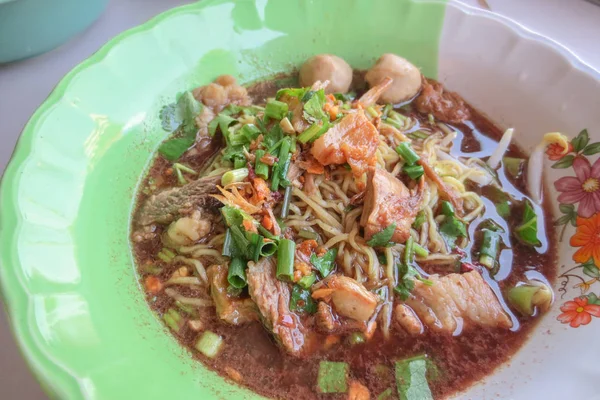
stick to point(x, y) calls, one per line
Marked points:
point(502, 255)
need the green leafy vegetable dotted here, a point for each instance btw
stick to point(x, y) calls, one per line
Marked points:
point(182, 113)
point(332, 377)
point(307, 281)
point(325, 263)
point(447, 208)
point(490, 248)
point(234, 216)
point(383, 238)
point(451, 229)
point(291, 92)
point(302, 301)
point(527, 231)
point(419, 220)
point(411, 379)
point(313, 107)
point(406, 280)
point(221, 121)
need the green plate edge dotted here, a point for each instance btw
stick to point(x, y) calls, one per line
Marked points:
point(54, 311)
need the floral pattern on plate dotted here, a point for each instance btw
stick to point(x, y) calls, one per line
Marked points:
point(579, 198)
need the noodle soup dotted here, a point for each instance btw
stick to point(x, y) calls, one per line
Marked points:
point(356, 234)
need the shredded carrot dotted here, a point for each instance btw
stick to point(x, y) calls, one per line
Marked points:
point(153, 284)
point(267, 222)
point(261, 190)
point(331, 97)
point(312, 166)
point(330, 341)
point(333, 112)
point(371, 328)
point(358, 391)
point(307, 247)
point(297, 275)
point(249, 226)
point(303, 268)
point(235, 198)
point(233, 374)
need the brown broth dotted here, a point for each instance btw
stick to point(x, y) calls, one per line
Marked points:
point(461, 360)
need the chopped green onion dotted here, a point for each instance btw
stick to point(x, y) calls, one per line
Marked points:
point(257, 242)
point(186, 308)
point(387, 394)
point(228, 245)
point(307, 281)
point(234, 175)
point(514, 166)
point(306, 234)
point(285, 207)
point(260, 168)
point(180, 177)
point(152, 269)
point(356, 338)
point(241, 243)
point(184, 168)
point(268, 249)
point(239, 163)
point(280, 168)
point(418, 135)
point(285, 259)
point(276, 109)
point(414, 172)
point(286, 125)
point(409, 251)
point(263, 231)
point(173, 319)
point(166, 255)
point(407, 153)
point(447, 208)
point(490, 248)
point(431, 119)
point(527, 231)
point(209, 344)
point(236, 275)
point(411, 379)
point(395, 124)
point(332, 377)
point(420, 251)
point(311, 132)
point(398, 116)
point(419, 220)
point(386, 110)
point(526, 297)
point(372, 112)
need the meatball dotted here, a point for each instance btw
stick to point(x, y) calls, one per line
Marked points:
point(327, 67)
point(407, 78)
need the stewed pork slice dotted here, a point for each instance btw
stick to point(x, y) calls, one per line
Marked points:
point(167, 205)
point(456, 300)
point(272, 298)
point(388, 201)
point(230, 309)
point(443, 105)
point(353, 140)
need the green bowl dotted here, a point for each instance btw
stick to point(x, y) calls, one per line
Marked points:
point(67, 271)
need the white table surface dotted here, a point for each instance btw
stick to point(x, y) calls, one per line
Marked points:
point(24, 86)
